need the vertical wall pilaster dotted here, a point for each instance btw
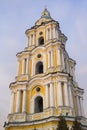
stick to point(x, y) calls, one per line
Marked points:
point(47, 96)
point(52, 58)
point(18, 101)
point(82, 108)
point(24, 100)
point(12, 103)
point(33, 39)
point(59, 94)
point(46, 34)
point(78, 105)
point(57, 35)
point(50, 33)
point(51, 95)
point(33, 67)
point(63, 64)
point(27, 66)
point(49, 59)
point(54, 32)
point(23, 66)
point(30, 41)
point(70, 96)
point(66, 96)
point(59, 57)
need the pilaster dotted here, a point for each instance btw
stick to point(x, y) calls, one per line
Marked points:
point(12, 102)
point(18, 101)
point(51, 95)
point(24, 100)
point(66, 96)
point(47, 96)
point(59, 94)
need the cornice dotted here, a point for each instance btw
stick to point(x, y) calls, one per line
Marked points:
point(43, 24)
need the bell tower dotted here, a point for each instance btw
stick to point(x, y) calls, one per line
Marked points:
point(45, 86)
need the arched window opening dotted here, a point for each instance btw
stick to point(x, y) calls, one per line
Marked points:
point(39, 68)
point(38, 104)
point(41, 41)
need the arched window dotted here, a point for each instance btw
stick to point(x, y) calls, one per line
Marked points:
point(38, 104)
point(41, 41)
point(39, 68)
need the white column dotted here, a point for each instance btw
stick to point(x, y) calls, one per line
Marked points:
point(27, 66)
point(49, 59)
point(63, 60)
point(82, 108)
point(54, 32)
point(23, 66)
point(50, 33)
point(27, 41)
point(33, 39)
point(59, 57)
point(24, 101)
point(66, 96)
point(47, 96)
point(12, 103)
point(57, 34)
point(30, 41)
point(51, 95)
point(70, 96)
point(18, 101)
point(67, 64)
point(59, 94)
point(52, 58)
point(78, 105)
point(33, 67)
point(51, 128)
point(74, 78)
point(46, 34)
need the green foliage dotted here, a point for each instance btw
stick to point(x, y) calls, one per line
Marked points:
point(62, 124)
point(76, 125)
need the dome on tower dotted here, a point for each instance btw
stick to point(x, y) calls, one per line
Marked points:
point(45, 14)
point(45, 17)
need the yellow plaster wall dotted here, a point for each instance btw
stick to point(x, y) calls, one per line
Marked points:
point(28, 101)
point(34, 92)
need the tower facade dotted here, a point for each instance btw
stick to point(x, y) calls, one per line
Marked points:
point(45, 86)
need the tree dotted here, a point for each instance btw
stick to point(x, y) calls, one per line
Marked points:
point(76, 125)
point(62, 124)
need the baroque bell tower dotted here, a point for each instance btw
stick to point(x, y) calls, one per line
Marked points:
point(45, 86)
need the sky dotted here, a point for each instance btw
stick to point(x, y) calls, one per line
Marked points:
point(16, 16)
